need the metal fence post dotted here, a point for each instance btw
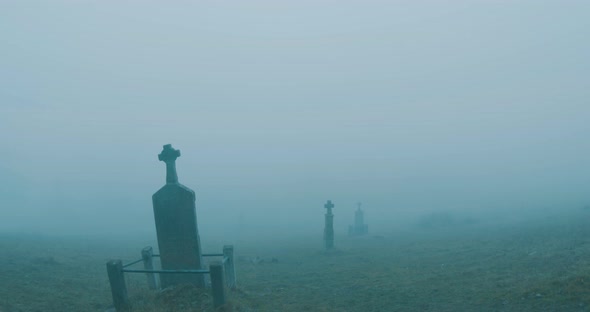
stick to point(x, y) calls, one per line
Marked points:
point(217, 283)
point(228, 265)
point(148, 264)
point(118, 287)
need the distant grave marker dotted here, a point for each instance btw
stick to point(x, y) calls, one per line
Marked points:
point(329, 226)
point(359, 227)
point(176, 225)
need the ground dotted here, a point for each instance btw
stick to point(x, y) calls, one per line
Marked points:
point(528, 266)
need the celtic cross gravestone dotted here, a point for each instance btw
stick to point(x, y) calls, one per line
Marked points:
point(176, 226)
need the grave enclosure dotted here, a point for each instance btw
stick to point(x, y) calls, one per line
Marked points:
point(179, 245)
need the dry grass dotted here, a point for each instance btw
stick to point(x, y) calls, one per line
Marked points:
point(541, 266)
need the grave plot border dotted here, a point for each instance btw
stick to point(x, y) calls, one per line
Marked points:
point(222, 274)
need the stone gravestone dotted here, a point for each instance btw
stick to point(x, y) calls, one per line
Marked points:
point(329, 226)
point(359, 227)
point(176, 225)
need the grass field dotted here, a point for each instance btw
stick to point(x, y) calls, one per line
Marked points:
point(541, 265)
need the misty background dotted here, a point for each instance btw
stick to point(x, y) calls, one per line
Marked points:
point(475, 107)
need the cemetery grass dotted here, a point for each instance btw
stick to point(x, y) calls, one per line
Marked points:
point(541, 265)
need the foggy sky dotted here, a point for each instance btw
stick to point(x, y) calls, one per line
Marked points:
point(277, 106)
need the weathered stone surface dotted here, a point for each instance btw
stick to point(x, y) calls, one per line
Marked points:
point(176, 225)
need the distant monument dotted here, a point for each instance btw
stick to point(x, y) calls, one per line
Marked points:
point(329, 226)
point(359, 227)
point(176, 225)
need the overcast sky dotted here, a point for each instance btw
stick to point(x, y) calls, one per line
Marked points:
point(277, 106)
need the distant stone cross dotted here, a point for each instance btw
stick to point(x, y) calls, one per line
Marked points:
point(359, 227)
point(329, 226)
point(329, 206)
point(169, 155)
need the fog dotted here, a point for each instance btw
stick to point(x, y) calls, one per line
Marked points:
point(479, 108)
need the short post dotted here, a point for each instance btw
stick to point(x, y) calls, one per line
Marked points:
point(228, 266)
point(148, 264)
point(217, 284)
point(118, 287)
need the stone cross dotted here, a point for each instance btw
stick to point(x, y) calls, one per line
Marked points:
point(176, 226)
point(359, 220)
point(329, 226)
point(359, 227)
point(169, 155)
point(329, 206)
